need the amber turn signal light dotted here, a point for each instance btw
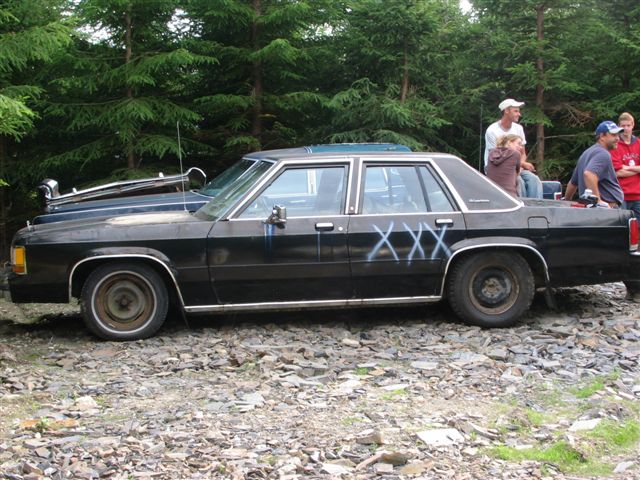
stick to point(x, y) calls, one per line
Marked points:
point(19, 260)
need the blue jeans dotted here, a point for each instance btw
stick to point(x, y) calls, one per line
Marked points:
point(530, 185)
point(633, 205)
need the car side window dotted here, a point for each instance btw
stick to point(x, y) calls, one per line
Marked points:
point(392, 189)
point(436, 194)
point(305, 192)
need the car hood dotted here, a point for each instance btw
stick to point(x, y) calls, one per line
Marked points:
point(151, 225)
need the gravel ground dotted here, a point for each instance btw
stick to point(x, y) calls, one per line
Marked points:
point(386, 393)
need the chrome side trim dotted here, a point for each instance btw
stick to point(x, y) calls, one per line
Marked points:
point(352, 302)
point(493, 245)
point(410, 214)
point(340, 215)
point(146, 206)
point(133, 255)
point(123, 186)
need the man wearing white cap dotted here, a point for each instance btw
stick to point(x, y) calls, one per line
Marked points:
point(531, 185)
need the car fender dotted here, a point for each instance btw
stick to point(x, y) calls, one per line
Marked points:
point(492, 243)
point(100, 255)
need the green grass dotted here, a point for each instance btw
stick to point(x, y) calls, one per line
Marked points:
point(537, 419)
point(560, 454)
point(617, 436)
point(595, 385)
point(361, 371)
point(348, 421)
point(522, 423)
point(588, 390)
point(594, 453)
point(609, 438)
point(247, 367)
point(401, 392)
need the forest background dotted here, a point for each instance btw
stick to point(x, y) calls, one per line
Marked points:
point(92, 90)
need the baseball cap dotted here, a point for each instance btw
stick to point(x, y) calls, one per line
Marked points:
point(608, 127)
point(509, 102)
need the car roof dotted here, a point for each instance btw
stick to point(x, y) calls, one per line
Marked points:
point(302, 155)
point(329, 148)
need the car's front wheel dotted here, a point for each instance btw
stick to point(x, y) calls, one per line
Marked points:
point(124, 301)
point(491, 289)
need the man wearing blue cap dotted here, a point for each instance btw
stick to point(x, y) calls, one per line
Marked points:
point(594, 170)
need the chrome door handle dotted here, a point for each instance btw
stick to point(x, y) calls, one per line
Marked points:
point(324, 226)
point(441, 222)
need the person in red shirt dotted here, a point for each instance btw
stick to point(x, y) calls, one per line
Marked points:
point(626, 162)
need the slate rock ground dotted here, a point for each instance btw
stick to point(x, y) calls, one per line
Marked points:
point(385, 393)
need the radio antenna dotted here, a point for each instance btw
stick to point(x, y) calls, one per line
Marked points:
point(184, 195)
point(480, 152)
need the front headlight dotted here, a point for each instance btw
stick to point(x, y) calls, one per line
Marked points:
point(19, 260)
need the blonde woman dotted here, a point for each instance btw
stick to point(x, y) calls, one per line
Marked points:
point(504, 161)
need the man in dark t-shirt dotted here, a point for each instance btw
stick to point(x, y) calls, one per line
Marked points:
point(594, 170)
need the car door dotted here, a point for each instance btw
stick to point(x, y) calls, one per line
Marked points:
point(303, 259)
point(399, 240)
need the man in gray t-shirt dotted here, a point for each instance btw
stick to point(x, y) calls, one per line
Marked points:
point(594, 169)
point(595, 172)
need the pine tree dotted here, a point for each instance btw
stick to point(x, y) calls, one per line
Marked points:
point(31, 33)
point(123, 93)
point(524, 49)
point(396, 94)
point(264, 92)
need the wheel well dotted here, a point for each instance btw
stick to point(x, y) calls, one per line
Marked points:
point(535, 263)
point(83, 271)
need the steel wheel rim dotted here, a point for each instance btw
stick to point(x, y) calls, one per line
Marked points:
point(494, 290)
point(124, 302)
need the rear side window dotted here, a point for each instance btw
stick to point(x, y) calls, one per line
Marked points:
point(437, 195)
point(392, 189)
point(476, 191)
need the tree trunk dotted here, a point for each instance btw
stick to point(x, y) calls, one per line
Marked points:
point(4, 242)
point(131, 160)
point(627, 33)
point(405, 75)
point(540, 86)
point(256, 120)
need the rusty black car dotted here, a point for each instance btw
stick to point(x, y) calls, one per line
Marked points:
point(327, 230)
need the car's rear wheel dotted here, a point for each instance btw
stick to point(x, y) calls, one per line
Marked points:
point(124, 301)
point(491, 289)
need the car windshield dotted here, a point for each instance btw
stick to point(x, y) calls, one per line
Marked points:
point(215, 186)
point(229, 194)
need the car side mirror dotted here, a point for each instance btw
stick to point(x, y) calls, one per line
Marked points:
point(278, 216)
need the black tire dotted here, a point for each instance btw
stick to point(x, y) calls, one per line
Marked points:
point(124, 301)
point(491, 289)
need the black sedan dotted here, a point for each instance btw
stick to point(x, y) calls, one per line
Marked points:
point(327, 230)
